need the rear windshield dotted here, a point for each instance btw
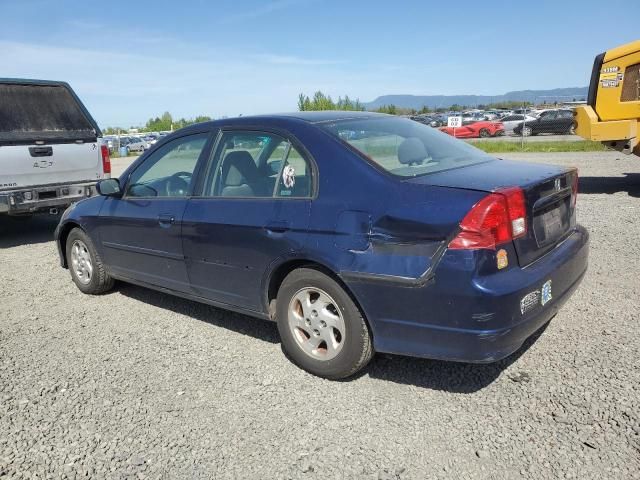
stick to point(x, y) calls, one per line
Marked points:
point(41, 112)
point(404, 147)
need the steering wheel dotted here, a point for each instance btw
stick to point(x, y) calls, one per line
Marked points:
point(177, 185)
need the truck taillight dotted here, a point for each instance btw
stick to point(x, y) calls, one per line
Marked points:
point(498, 218)
point(106, 161)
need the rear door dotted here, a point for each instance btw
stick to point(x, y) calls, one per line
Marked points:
point(46, 136)
point(253, 212)
point(141, 233)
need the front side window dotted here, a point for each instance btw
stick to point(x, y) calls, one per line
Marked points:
point(257, 165)
point(403, 147)
point(168, 171)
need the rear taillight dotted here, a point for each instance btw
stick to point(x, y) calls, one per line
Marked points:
point(498, 218)
point(106, 161)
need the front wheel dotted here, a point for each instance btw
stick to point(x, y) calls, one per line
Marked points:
point(321, 328)
point(527, 131)
point(85, 265)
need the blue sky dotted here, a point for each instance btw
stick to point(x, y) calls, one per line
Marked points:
point(132, 60)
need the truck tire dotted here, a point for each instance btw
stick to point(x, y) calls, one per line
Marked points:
point(321, 328)
point(86, 267)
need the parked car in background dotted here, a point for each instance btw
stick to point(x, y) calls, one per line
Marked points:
point(51, 149)
point(111, 142)
point(134, 144)
point(432, 121)
point(151, 139)
point(476, 116)
point(414, 243)
point(475, 130)
point(550, 121)
point(511, 121)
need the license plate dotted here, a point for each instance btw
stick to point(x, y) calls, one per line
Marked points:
point(552, 224)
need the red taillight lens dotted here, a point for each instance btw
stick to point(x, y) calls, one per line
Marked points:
point(106, 161)
point(498, 218)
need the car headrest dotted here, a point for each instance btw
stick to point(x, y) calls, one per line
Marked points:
point(411, 151)
point(239, 169)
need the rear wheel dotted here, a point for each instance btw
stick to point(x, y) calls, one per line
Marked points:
point(322, 330)
point(85, 265)
point(484, 133)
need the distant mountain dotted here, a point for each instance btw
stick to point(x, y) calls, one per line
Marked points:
point(445, 101)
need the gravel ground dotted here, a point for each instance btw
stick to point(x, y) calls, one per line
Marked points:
point(139, 384)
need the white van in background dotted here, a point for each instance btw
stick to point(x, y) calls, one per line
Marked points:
point(51, 153)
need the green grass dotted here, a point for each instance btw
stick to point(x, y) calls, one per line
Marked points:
point(542, 147)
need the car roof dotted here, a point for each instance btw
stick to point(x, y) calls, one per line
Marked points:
point(314, 117)
point(323, 115)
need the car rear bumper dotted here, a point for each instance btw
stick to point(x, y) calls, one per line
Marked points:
point(44, 197)
point(477, 321)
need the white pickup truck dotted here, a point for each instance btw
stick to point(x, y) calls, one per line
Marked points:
point(51, 151)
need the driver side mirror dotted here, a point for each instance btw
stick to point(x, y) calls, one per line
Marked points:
point(109, 187)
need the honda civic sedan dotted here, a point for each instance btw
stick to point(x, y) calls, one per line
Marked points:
point(356, 232)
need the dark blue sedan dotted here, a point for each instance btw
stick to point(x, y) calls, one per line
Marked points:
point(356, 232)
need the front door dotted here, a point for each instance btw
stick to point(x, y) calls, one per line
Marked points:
point(141, 233)
point(253, 212)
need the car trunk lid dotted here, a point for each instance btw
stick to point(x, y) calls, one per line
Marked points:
point(549, 192)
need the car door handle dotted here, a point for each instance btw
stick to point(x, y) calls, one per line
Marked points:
point(277, 227)
point(166, 220)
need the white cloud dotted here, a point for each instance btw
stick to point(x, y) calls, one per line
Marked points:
point(127, 88)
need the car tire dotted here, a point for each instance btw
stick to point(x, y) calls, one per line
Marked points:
point(321, 328)
point(526, 131)
point(86, 267)
point(484, 133)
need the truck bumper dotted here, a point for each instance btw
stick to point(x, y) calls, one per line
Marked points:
point(620, 135)
point(44, 197)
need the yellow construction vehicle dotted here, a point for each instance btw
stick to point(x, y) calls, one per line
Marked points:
point(612, 113)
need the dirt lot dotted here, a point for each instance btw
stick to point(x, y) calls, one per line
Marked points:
point(138, 384)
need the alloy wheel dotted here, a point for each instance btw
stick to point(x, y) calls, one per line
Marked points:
point(316, 323)
point(81, 262)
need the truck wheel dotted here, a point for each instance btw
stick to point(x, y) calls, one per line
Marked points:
point(321, 328)
point(85, 265)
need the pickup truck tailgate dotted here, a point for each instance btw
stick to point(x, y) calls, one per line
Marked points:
point(30, 165)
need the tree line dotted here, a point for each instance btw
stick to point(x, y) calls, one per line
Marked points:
point(163, 123)
point(320, 101)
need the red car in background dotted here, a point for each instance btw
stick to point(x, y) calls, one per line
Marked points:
point(476, 129)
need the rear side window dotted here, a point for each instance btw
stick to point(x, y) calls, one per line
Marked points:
point(295, 176)
point(257, 165)
point(41, 112)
